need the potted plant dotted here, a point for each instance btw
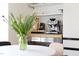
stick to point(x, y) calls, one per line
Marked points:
point(22, 26)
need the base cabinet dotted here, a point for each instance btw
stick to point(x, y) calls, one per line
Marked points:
point(71, 53)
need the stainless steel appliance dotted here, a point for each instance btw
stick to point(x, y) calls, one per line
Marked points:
point(53, 26)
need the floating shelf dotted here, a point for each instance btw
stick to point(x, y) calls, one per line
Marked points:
point(49, 14)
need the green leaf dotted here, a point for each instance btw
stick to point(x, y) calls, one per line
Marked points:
point(22, 25)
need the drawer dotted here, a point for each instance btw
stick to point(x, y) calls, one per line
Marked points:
point(71, 43)
point(71, 52)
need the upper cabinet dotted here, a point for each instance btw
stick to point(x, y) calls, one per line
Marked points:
point(71, 20)
point(48, 9)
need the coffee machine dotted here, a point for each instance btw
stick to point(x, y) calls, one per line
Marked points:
point(53, 26)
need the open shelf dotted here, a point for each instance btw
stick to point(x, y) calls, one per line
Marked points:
point(49, 14)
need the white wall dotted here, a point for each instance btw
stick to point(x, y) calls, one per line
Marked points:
point(20, 8)
point(17, 9)
point(3, 25)
point(71, 20)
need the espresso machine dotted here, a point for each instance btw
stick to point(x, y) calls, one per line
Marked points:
point(53, 26)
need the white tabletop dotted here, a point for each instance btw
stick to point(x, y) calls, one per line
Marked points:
point(32, 50)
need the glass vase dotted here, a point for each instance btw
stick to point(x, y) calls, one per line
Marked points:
point(22, 42)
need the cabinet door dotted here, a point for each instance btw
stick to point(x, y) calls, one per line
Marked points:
point(71, 52)
point(71, 20)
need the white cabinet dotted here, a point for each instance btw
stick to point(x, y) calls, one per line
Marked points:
point(71, 43)
point(71, 47)
point(71, 20)
point(71, 52)
point(71, 28)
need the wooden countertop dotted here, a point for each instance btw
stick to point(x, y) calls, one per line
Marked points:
point(46, 35)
